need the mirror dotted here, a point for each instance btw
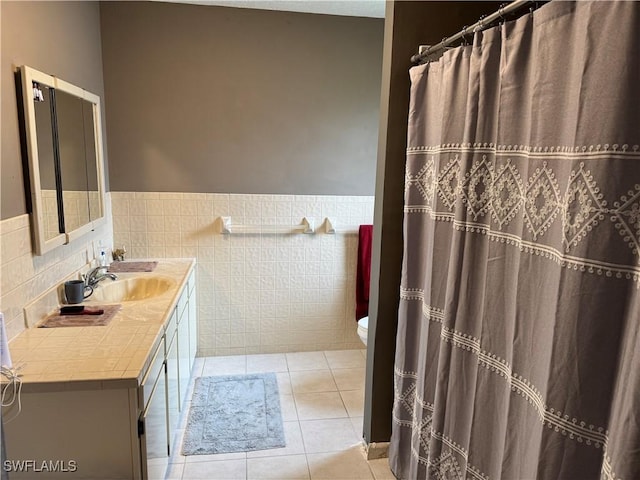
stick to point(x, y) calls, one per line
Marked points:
point(91, 147)
point(71, 137)
point(64, 146)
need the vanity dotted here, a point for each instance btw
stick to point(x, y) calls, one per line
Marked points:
point(103, 402)
point(99, 400)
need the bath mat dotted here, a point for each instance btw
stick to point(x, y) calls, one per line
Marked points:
point(234, 413)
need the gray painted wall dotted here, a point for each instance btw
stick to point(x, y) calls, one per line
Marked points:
point(58, 38)
point(218, 99)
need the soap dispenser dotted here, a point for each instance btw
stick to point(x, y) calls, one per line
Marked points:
point(102, 255)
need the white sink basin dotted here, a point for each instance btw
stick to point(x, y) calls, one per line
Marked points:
point(131, 289)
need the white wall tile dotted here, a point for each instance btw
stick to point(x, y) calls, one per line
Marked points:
point(189, 207)
point(257, 293)
point(204, 207)
point(172, 239)
point(188, 224)
point(157, 251)
point(26, 276)
point(138, 223)
point(221, 204)
point(139, 251)
point(170, 206)
point(172, 223)
point(154, 207)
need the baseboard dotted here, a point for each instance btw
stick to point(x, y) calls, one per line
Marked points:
point(376, 450)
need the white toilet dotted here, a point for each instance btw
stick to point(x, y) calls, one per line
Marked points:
point(363, 328)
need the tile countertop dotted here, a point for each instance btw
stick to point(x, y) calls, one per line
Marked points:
point(100, 357)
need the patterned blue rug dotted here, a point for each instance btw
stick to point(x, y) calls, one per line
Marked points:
point(234, 413)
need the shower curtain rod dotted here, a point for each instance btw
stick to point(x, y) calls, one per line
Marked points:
point(479, 25)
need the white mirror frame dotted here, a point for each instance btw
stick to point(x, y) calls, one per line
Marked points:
point(41, 244)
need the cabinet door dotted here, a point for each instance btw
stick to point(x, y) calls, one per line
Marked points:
point(184, 365)
point(154, 431)
point(192, 309)
point(173, 392)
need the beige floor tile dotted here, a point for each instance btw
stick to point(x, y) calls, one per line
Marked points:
point(198, 365)
point(175, 471)
point(189, 394)
point(348, 464)
point(156, 471)
point(284, 383)
point(381, 470)
point(354, 402)
point(219, 470)
point(317, 392)
point(358, 426)
point(306, 361)
point(320, 436)
point(215, 457)
point(287, 467)
point(293, 439)
point(315, 406)
point(184, 415)
point(312, 381)
point(231, 365)
point(176, 456)
point(344, 359)
point(288, 408)
point(349, 378)
point(273, 362)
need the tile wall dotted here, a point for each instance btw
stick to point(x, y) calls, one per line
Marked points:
point(77, 208)
point(257, 292)
point(24, 276)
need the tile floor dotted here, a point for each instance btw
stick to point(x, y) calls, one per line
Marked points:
point(321, 396)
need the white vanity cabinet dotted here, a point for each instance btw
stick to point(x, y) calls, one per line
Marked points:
point(180, 333)
point(106, 427)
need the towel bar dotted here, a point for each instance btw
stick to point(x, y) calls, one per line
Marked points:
point(330, 228)
point(227, 227)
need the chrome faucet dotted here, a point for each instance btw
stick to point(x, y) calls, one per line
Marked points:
point(96, 275)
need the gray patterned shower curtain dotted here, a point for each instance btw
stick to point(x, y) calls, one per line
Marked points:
point(518, 348)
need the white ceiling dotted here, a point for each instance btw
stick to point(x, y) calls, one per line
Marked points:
point(352, 8)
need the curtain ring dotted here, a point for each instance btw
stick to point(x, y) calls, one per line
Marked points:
point(464, 35)
point(480, 26)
